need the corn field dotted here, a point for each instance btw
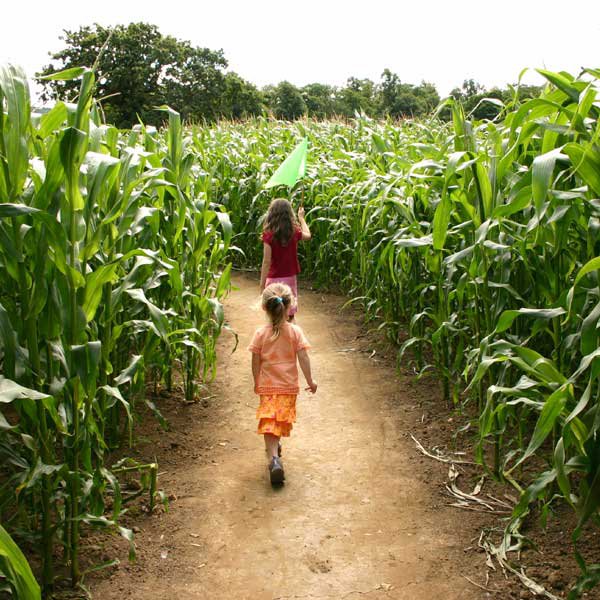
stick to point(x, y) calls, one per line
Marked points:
point(473, 245)
point(113, 258)
point(478, 240)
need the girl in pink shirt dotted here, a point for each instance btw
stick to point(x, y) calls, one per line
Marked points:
point(281, 234)
point(276, 349)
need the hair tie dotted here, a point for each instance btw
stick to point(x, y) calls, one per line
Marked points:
point(278, 299)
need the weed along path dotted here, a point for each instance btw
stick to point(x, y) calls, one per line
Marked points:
point(356, 517)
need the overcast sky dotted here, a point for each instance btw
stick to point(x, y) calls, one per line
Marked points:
point(327, 41)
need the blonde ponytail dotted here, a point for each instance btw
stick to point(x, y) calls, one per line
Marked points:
point(277, 300)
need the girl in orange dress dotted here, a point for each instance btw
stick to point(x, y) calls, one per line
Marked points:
point(276, 349)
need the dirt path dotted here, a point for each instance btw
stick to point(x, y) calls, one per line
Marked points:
point(354, 518)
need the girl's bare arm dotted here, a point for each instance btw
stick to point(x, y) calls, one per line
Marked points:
point(304, 361)
point(266, 263)
point(306, 235)
point(255, 367)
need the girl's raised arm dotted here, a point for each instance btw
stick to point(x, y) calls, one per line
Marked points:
point(306, 235)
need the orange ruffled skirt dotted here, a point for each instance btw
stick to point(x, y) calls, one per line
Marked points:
point(276, 414)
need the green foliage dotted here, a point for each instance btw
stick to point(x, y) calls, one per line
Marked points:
point(240, 99)
point(15, 569)
point(482, 104)
point(480, 240)
point(357, 97)
point(287, 102)
point(112, 264)
point(398, 99)
point(320, 100)
point(138, 69)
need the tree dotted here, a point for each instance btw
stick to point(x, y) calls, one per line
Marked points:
point(194, 84)
point(138, 69)
point(287, 102)
point(428, 95)
point(240, 98)
point(320, 100)
point(397, 99)
point(358, 96)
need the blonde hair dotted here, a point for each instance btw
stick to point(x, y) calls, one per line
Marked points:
point(277, 299)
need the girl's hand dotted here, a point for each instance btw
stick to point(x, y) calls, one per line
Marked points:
point(301, 212)
point(312, 387)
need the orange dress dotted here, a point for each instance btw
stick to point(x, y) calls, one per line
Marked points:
point(277, 384)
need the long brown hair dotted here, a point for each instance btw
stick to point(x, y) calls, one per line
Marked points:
point(281, 220)
point(277, 298)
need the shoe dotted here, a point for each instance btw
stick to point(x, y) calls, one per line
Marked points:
point(276, 473)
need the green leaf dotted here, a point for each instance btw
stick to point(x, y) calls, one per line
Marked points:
point(508, 316)
point(158, 316)
point(16, 569)
point(553, 407)
point(93, 288)
point(543, 167)
point(66, 74)
point(441, 219)
point(73, 147)
point(591, 265)
point(15, 210)
point(586, 162)
point(10, 391)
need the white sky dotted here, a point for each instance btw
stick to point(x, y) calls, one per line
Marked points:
point(327, 41)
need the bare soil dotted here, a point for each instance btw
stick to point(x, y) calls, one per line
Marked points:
point(362, 513)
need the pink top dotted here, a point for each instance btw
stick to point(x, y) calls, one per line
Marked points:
point(284, 259)
point(278, 358)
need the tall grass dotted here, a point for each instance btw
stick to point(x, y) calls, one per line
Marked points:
point(112, 263)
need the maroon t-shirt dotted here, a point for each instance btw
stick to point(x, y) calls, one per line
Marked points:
point(284, 259)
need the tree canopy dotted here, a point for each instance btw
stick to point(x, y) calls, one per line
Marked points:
point(138, 69)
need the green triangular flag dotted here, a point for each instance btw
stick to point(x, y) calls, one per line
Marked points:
point(292, 168)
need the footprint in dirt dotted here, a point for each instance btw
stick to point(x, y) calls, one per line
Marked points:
point(316, 565)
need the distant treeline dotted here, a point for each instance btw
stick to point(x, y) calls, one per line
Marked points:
point(139, 69)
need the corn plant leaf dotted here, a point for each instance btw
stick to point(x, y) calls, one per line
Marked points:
point(226, 226)
point(589, 505)
point(224, 281)
point(15, 210)
point(85, 362)
point(11, 390)
point(72, 151)
point(589, 331)
point(586, 162)
point(562, 83)
point(66, 74)
point(542, 170)
point(52, 120)
point(508, 316)
point(553, 407)
point(93, 288)
point(136, 363)
point(115, 393)
point(14, 88)
point(158, 316)
point(591, 265)
point(16, 569)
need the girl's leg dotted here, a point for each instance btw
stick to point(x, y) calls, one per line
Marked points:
point(271, 445)
point(276, 473)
